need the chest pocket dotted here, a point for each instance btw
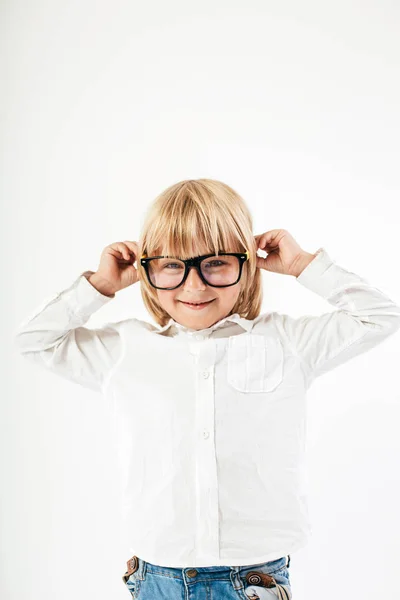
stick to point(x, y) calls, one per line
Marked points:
point(254, 363)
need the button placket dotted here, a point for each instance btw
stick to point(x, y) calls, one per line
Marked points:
point(207, 510)
point(208, 391)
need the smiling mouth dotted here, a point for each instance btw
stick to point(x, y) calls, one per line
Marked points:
point(197, 303)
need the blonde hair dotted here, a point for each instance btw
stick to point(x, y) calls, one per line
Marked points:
point(199, 216)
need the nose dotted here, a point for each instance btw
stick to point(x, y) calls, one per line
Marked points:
point(193, 280)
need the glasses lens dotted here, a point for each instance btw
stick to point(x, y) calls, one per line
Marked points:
point(166, 272)
point(217, 270)
point(220, 270)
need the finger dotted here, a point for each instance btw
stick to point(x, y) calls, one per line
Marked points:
point(122, 247)
point(119, 247)
point(259, 262)
point(258, 239)
point(133, 247)
point(267, 238)
point(261, 240)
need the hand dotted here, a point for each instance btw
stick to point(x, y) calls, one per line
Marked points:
point(284, 255)
point(116, 269)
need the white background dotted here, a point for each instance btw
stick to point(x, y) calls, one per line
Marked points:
point(104, 105)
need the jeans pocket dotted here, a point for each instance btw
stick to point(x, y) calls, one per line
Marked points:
point(133, 584)
point(280, 592)
point(278, 586)
point(131, 577)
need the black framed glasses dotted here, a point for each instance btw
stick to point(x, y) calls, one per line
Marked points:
point(217, 270)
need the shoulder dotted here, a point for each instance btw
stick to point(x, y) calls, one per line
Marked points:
point(132, 323)
point(266, 323)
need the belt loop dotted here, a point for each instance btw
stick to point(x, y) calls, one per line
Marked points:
point(235, 578)
point(288, 562)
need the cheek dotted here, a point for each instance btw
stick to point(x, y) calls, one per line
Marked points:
point(229, 297)
point(166, 298)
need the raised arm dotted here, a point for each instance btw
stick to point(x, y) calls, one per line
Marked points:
point(364, 317)
point(54, 337)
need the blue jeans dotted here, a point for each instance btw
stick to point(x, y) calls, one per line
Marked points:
point(262, 581)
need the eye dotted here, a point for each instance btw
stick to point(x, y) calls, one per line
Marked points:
point(213, 263)
point(172, 265)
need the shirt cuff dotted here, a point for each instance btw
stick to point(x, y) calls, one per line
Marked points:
point(87, 299)
point(318, 276)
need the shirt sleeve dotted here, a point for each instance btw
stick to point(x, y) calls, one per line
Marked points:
point(364, 317)
point(54, 337)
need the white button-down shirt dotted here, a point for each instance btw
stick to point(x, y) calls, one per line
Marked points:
point(210, 425)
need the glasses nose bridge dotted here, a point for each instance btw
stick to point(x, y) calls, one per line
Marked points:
point(193, 263)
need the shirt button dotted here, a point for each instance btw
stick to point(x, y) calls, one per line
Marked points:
point(206, 374)
point(199, 337)
point(205, 434)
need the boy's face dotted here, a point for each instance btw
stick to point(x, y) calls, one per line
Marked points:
point(220, 302)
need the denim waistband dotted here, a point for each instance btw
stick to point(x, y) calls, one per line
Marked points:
point(210, 573)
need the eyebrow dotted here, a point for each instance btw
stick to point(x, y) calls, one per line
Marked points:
point(193, 256)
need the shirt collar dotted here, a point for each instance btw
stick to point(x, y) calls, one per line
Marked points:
point(235, 318)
